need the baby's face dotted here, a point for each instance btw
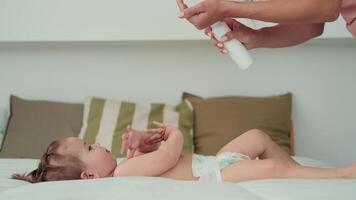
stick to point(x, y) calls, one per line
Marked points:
point(95, 157)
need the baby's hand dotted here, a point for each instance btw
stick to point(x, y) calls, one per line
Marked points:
point(143, 141)
point(250, 38)
point(167, 129)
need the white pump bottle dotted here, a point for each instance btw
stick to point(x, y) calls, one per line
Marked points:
point(237, 51)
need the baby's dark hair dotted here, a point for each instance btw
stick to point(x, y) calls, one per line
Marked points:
point(54, 166)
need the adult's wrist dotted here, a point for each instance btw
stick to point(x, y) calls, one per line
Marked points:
point(225, 9)
point(235, 9)
point(259, 38)
point(263, 36)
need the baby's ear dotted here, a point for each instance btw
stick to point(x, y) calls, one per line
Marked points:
point(89, 175)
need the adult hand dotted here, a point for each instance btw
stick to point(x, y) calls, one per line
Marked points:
point(203, 14)
point(250, 38)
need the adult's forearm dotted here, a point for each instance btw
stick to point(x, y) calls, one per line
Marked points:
point(284, 11)
point(289, 35)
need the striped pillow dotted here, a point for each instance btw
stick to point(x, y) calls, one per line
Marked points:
point(104, 121)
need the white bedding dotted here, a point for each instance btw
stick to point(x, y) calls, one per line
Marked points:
point(160, 188)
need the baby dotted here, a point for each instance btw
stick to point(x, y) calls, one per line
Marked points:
point(158, 152)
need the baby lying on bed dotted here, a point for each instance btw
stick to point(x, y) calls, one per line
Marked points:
point(158, 152)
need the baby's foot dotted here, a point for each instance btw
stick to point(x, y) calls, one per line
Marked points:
point(353, 171)
point(347, 172)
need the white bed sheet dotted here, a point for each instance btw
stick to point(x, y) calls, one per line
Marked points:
point(294, 189)
point(160, 188)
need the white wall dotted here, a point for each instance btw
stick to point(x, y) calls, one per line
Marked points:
point(320, 74)
point(105, 20)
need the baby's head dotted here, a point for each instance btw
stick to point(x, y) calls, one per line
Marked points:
point(71, 158)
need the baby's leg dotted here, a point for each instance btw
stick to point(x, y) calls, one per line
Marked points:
point(279, 168)
point(256, 143)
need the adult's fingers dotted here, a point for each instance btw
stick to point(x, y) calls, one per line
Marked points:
point(233, 24)
point(230, 36)
point(216, 42)
point(224, 51)
point(209, 31)
point(220, 45)
point(192, 11)
point(239, 35)
point(181, 5)
point(230, 22)
point(243, 35)
point(239, 31)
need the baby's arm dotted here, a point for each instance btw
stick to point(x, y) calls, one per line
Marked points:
point(137, 142)
point(157, 162)
point(152, 147)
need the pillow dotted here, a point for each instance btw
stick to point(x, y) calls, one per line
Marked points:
point(219, 120)
point(3, 119)
point(105, 121)
point(1, 138)
point(34, 124)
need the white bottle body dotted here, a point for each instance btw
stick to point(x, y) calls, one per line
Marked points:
point(237, 51)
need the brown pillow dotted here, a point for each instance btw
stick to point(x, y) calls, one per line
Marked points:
point(34, 124)
point(221, 119)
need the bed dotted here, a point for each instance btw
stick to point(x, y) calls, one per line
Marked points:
point(23, 131)
point(161, 188)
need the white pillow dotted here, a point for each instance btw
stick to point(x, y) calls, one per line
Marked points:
point(4, 115)
point(2, 133)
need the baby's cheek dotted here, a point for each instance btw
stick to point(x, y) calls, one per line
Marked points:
point(109, 159)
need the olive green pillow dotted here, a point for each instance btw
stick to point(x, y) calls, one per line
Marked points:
point(106, 120)
point(219, 120)
point(34, 124)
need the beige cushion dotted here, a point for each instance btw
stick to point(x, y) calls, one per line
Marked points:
point(34, 124)
point(219, 120)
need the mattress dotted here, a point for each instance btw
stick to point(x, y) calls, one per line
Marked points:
point(161, 188)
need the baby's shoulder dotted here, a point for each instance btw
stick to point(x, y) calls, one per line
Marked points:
point(116, 171)
point(120, 162)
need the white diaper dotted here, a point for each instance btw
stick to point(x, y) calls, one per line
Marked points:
point(208, 168)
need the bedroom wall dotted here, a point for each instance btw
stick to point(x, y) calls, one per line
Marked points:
point(321, 75)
